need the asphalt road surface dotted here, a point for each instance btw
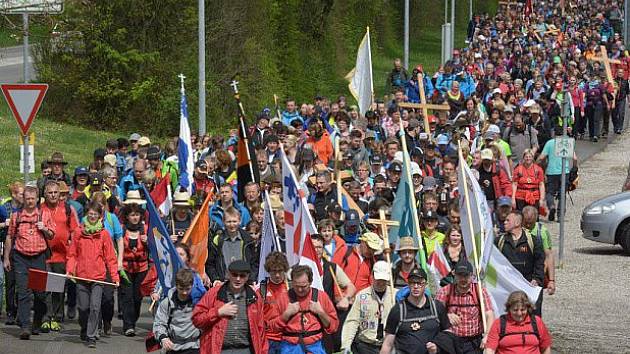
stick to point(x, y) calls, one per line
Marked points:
point(11, 68)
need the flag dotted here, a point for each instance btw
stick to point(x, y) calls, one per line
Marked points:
point(405, 212)
point(197, 237)
point(161, 248)
point(476, 219)
point(246, 171)
point(268, 241)
point(298, 223)
point(438, 266)
point(184, 147)
point(39, 280)
point(501, 279)
point(161, 195)
point(360, 77)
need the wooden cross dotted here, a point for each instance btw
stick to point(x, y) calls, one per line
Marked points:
point(507, 3)
point(384, 224)
point(424, 106)
point(609, 75)
point(535, 33)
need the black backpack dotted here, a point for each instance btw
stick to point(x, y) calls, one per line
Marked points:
point(303, 333)
point(503, 325)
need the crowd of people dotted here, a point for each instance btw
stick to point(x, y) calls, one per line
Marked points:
point(524, 73)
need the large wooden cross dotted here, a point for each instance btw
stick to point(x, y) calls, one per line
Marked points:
point(424, 106)
point(384, 224)
point(609, 75)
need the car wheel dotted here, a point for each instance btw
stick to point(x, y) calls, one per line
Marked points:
point(624, 237)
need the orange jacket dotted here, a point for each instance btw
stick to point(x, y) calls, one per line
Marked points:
point(311, 321)
point(270, 308)
point(90, 255)
point(359, 271)
point(322, 147)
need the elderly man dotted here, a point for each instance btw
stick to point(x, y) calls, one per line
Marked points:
point(363, 330)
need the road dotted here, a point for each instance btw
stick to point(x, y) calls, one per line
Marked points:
point(11, 69)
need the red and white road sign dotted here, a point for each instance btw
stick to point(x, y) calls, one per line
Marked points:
point(24, 101)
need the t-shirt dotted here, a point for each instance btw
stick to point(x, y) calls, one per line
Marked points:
point(408, 340)
point(554, 163)
point(544, 235)
point(518, 344)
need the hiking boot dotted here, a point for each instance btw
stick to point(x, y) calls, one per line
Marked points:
point(107, 328)
point(91, 343)
point(552, 214)
point(25, 335)
point(71, 312)
point(45, 327)
point(55, 326)
point(130, 332)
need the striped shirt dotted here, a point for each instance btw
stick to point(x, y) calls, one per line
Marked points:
point(27, 239)
point(466, 306)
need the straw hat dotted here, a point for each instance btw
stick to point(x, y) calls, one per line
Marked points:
point(181, 199)
point(134, 197)
point(56, 158)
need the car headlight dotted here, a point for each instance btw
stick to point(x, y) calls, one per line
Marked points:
point(601, 209)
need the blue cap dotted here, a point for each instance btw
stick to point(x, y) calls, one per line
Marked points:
point(504, 201)
point(442, 139)
point(81, 171)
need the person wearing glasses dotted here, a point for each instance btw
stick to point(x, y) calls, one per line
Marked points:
point(416, 324)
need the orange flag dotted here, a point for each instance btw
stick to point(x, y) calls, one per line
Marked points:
point(197, 237)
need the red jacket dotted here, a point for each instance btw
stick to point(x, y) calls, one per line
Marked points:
point(271, 310)
point(357, 269)
point(90, 255)
point(500, 182)
point(212, 326)
point(135, 260)
point(66, 226)
point(311, 321)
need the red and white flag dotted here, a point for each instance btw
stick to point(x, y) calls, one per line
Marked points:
point(298, 224)
point(161, 195)
point(438, 266)
point(40, 280)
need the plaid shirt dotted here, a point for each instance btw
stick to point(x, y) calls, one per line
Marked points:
point(27, 239)
point(390, 127)
point(466, 306)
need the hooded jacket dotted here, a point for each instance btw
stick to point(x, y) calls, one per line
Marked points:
point(173, 320)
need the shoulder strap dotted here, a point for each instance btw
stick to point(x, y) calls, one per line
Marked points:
point(530, 241)
point(501, 242)
point(403, 314)
point(292, 296)
point(314, 294)
point(503, 324)
point(532, 319)
point(263, 290)
point(346, 255)
point(68, 213)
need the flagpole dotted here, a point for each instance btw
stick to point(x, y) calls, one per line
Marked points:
point(273, 223)
point(195, 219)
point(412, 196)
point(474, 242)
point(370, 57)
point(241, 117)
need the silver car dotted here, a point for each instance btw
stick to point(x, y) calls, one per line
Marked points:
point(608, 220)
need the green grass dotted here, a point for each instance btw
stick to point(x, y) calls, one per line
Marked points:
point(77, 145)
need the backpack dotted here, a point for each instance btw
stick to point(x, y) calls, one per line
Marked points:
point(346, 255)
point(508, 134)
point(18, 221)
point(503, 325)
point(303, 333)
point(403, 314)
point(475, 297)
point(530, 240)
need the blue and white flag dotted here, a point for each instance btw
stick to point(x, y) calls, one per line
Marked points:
point(269, 241)
point(161, 248)
point(184, 147)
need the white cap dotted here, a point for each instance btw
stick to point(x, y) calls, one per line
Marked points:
point(381, 270)
point(494, 129)
point(398, 156)
point(496, 90)
point(415, 169)
point(529, 103)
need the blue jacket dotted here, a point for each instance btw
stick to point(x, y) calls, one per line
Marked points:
point(287, 118)
point(413, 92)
point(128, 183)
point(216, 214)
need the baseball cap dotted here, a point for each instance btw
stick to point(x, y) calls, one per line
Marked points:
point(352, 218)
point(370, 135)
point(529, 103)
point(144, 141)
point(372, 240)
point(442, 139)
point(239, 266)
point(376, 160)
point(486, 154)
point(381, 270)
point(79, 171)
point(423, 136)
point(488, 136)
point(413, 123)
point(97, 179)
point(110, 159)
point(417, 273)
point(153, 153)
point(202, 165)
point(496, 90)
point(430, 215)
point(63, 187)
point(494, 129)
point(508, 109)
point(463, 267)
point(415, 169)
point(395, 167)
point(134, 137)
point(504, 201)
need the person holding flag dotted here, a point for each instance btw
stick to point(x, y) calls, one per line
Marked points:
point(91, 256)
point(271, 289)
point(462, 303)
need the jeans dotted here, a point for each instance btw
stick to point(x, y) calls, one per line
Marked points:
point(9, 282)
point(89, 301)
point(131, 299)
point(552, 190)
point(594, 117)
point(55, 301)
point(618, 115)
point(21, 264)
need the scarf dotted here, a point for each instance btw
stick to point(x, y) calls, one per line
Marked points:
point(134, 227)
point(90, 228)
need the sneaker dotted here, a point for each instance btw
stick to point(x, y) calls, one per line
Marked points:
point(91, 343)
point(107, 328)
point(130, 332)
point(25, 335)
point(552, 214)
point(36, 330)
point(45, 327)
point(72, 312)
point(55, 326)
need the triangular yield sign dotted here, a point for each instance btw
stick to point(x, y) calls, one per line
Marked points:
point(24, 101)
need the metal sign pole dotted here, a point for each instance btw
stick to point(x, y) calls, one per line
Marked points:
point(25, 48)
point(25, 149)
point(563, 177)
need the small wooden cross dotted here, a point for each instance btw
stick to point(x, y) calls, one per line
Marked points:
point(234, 85)
point(181, 79)
point(384, 225)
